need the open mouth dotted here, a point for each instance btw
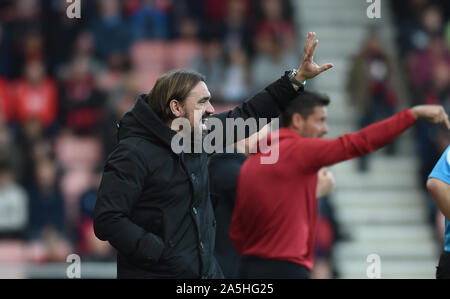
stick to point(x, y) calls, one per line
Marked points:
point(203, 124)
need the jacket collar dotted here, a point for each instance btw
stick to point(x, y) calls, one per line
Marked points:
point(142, 121)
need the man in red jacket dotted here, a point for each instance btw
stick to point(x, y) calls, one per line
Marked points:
point(275, 215)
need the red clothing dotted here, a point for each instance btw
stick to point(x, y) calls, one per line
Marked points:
point(37, 102)
point(275, 215)
point(6, 102)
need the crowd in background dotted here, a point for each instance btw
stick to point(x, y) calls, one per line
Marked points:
point(64, 83)
point(423, 43)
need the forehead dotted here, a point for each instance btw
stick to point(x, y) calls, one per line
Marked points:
point(320, 111)
point(200, 91)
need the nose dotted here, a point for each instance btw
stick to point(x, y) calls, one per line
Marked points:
point(209, 108)
point(325, 129)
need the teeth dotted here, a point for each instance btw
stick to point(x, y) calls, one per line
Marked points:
point(204, 124)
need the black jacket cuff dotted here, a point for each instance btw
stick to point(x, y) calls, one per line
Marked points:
point(283, 92)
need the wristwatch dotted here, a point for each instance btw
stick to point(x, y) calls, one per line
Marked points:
point(294, 81)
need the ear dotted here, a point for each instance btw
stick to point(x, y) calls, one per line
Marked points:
point(297, 121)
point(176, 108)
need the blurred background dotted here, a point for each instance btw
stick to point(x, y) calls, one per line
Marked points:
point(64, 83)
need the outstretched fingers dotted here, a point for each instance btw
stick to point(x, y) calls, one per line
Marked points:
point(313, 49)
point(309, 42)
point(326, 67)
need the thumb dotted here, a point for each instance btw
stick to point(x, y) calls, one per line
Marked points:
point(326, 67)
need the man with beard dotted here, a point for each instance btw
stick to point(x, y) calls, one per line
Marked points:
point(153, 204)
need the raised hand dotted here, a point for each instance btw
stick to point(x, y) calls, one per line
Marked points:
point(308, 68)
point(433, 113)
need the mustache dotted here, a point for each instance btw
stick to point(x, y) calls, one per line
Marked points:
point(206, 115)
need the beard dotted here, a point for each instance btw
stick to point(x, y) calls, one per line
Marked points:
point(198, 127)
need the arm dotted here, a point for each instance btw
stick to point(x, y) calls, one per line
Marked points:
point(440, 191)
point(269, 103)
point(369, 139)
point(123, 180)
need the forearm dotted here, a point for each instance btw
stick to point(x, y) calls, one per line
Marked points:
point(440, 191)
point(267, 104)
point(354, 145)
point(377, 135)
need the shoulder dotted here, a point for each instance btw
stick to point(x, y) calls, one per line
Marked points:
point(150, 155)
point(442, 169)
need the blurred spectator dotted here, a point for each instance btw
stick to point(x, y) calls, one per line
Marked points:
point(189, 9)
point(83, 48)
point(447, 34)
point(223, 171)
point(236, 81)
point(111, 31)
point(46, 228)
point(34, 148)
point(13, 203)
point(271, 58)
point(438, 89)
point(150, 20)
point(370, 87)
point(275, 42)
point(36, 96)
point(422, 64)
point(11, 152)
point(210, 63)
point(6, 102)
point(187, 46)
point(81, 101)
point(22, 34)
point(91, 247)
point(235, 29)
point(112, 80)
point(46, 202)
point(125, 102)
point(61, 31)
point(422, 38)
point(327, 235)
point(6, 69)
point(77, 156)
point(276, 19)
point(422, 21)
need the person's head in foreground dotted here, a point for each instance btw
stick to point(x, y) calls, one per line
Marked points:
point(180, 93)
point(307, 115)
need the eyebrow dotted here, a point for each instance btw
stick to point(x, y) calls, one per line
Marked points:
point(204, 99)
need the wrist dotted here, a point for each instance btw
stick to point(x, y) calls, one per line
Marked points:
point(300, 77)
point(415, 112)
point(294, 78)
